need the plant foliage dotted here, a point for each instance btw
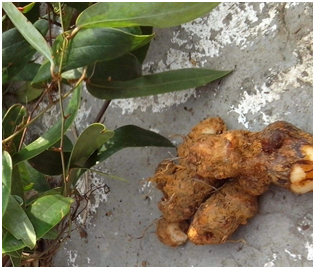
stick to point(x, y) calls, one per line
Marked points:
point(102, 45)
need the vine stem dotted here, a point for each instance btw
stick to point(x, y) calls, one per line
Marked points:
point(102, 111)
point(30, 117)
point(63, 116)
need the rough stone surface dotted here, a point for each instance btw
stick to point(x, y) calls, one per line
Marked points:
point(270, 48)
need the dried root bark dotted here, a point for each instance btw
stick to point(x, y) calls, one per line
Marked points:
point(220, 174)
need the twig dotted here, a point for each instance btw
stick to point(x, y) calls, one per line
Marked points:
point(102, 111)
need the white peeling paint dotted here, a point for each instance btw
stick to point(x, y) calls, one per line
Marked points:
point(95, 183)
point(271, 263)
point(295, 257)
point(72, 256)
point(300, 73)
point(235, 31)
point(309, 251)
point(81, 120)
point(154, 130)
point(305, 228)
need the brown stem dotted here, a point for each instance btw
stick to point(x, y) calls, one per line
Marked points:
point(102, 111)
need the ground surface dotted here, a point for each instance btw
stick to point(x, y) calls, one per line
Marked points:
point(270, 46)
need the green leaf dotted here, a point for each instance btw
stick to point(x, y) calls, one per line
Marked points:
point(20, 70)
point(51, 136)
point(121, 69)
point(39, 181)
point(21, 180)
point(57, 190)
point(89, 46)
point(10, 243)
point(15, 48)
point(43, 74)
point(18, 224)
point(47, 211)
point(88, 142)
point(141, 53)
point(131, 136)
point(29, 32)
point(51, 234)
point(17, 183)
point(73, 74)
point(85, 150)
point(6, 179)
point(27, 73)
point(156, 14)
point(14, 120)
point(16, 257)
point(28, 7)
point(164, 82)
point(27, 93)
point(49, 161)
point(15, 254)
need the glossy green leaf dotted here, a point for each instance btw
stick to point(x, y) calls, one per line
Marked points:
point(164, 82)
point(16, 261)
point(17, 184)
point(18, 224)
point(47, 211)
point(51, 234)
point(43, 73)
point(131, 136)
point(10, 243)
point(84, 154)
point(6, 179)
point(54, 191)
point(15, 48)
point(29, 32)
point(95, 45)
point(28, 7)
point(121, 69)
point(141, 53)
point(27, 73)
point(33, 14)
point(73, 74)
point(15, 257)
point(14, 120)
point(49, 161)
point(27, 93)
point(51, 136)
point(156, 14)
point(38, 180)
point(17, 70)
point(88, 142)
point(21, 180)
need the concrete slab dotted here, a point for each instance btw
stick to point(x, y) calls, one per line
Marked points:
point(270, 46)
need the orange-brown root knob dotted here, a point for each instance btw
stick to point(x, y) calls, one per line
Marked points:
point(172, 233)
point(218, 217)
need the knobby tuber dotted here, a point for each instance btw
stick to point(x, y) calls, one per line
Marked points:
point(219, 175)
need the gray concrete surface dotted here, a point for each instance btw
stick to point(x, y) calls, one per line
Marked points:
point(270, 46)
